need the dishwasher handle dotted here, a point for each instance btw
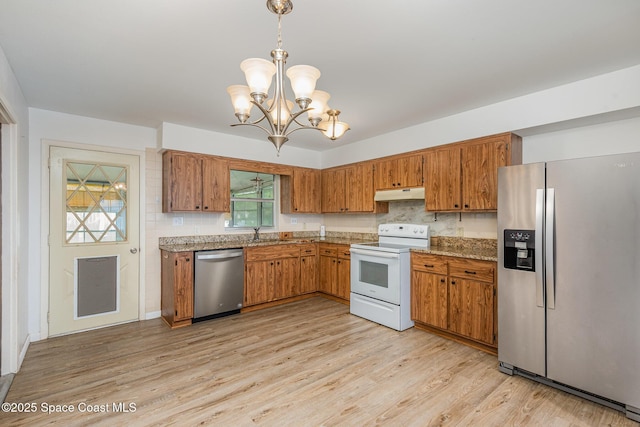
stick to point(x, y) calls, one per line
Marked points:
point(221, 255)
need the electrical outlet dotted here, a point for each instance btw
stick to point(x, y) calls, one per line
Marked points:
point(460, 231)
point(294, 220)
point(178, 221)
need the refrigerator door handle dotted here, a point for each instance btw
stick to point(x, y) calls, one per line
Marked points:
point(538, 243)
point(550, 247)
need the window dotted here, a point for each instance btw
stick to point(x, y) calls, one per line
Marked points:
point(252, 199)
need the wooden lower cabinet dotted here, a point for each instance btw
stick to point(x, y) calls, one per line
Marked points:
point(271, 273)
point(455, 295)
point(308, 268)
point(177, 288)
point(335, 270)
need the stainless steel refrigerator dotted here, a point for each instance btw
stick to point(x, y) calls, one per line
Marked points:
point(569, 276)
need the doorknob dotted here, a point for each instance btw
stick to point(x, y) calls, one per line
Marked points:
point(133, 250)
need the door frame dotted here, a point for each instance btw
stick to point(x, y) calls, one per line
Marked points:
point(44, 224)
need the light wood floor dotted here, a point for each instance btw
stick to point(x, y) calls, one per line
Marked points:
point(308, 363)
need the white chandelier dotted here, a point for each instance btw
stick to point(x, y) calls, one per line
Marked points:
point(278, 113)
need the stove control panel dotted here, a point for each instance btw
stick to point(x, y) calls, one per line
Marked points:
point(404, 230)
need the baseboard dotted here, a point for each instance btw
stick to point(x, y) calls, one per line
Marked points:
point(152, 315)
point(23, 352)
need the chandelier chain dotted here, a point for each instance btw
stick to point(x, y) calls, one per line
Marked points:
point(279, 30)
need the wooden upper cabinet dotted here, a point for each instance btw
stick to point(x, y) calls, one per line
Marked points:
point(181, 182)
point(333, 190)
point(350, 189)
point(359, 184)
point(464, 177)
point(194, 182)
point(216, 193)
point(480, 163)
point(398, 172)
point(300, 191)
point(442, 180)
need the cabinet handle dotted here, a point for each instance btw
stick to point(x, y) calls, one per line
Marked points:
point(442, 280)
point(188, 259)
point(456, 206)
point(399, 185)
point(206, 207)
point(198, 207)
point(295, 209)
point(466, 205)
point(393, 184)
point(453, 282)
point(429, 265)
point(470, 272)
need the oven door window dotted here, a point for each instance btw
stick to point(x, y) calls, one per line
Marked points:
point(374, 273)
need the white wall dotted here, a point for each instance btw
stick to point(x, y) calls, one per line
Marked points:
point(622, 136)
point(15, 250)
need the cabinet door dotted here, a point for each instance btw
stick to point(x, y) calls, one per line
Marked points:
point(359, 188)
point(183, 286)
point(216, 192)
point(442, 180)
point(182, 182)
point(343, 282)
point(259, 283)
point(328, 273)
point(287, 277)
point(385, 175)
point(333, 190)
point(409, 171)
point(305, 191)
point(429, 302)
point(471, 309)
point(480, 164)
point(308, 274)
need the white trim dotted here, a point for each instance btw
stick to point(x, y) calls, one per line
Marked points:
point(44, 223)
point(152, 315)
point(11, 359)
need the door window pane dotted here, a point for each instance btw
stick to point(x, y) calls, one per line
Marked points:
point(96, 203)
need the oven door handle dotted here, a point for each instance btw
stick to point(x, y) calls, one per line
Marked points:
point(378, 254)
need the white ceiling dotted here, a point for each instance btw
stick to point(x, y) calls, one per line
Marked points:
point(387, 65)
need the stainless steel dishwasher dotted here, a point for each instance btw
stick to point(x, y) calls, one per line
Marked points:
point(219, 284)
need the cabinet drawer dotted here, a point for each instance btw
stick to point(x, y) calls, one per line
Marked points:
point(264, 253)
point(344, 252)
point(308, 249)
point(482, 271)
point(429, 263)
point(328, 250)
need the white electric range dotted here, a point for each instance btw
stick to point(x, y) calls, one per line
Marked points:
point(380, 274)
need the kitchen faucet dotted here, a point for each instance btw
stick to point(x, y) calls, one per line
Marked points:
point(256, 236)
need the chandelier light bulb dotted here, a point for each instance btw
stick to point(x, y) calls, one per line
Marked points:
point(303, 82)
point(318, 106)
point(333, 128)
point(285, 112)
point(259, 73)
point(241, 100)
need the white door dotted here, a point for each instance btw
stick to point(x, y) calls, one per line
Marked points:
point(94, 227)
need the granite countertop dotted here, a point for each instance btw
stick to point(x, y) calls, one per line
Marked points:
point(207, 243)
point(481, 249)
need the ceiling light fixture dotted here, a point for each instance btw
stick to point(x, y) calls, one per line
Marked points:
point(278, 113)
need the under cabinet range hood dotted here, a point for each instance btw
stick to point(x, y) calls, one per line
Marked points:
point(400, 194)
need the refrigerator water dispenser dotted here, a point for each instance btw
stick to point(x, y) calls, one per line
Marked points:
point(519, 249)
